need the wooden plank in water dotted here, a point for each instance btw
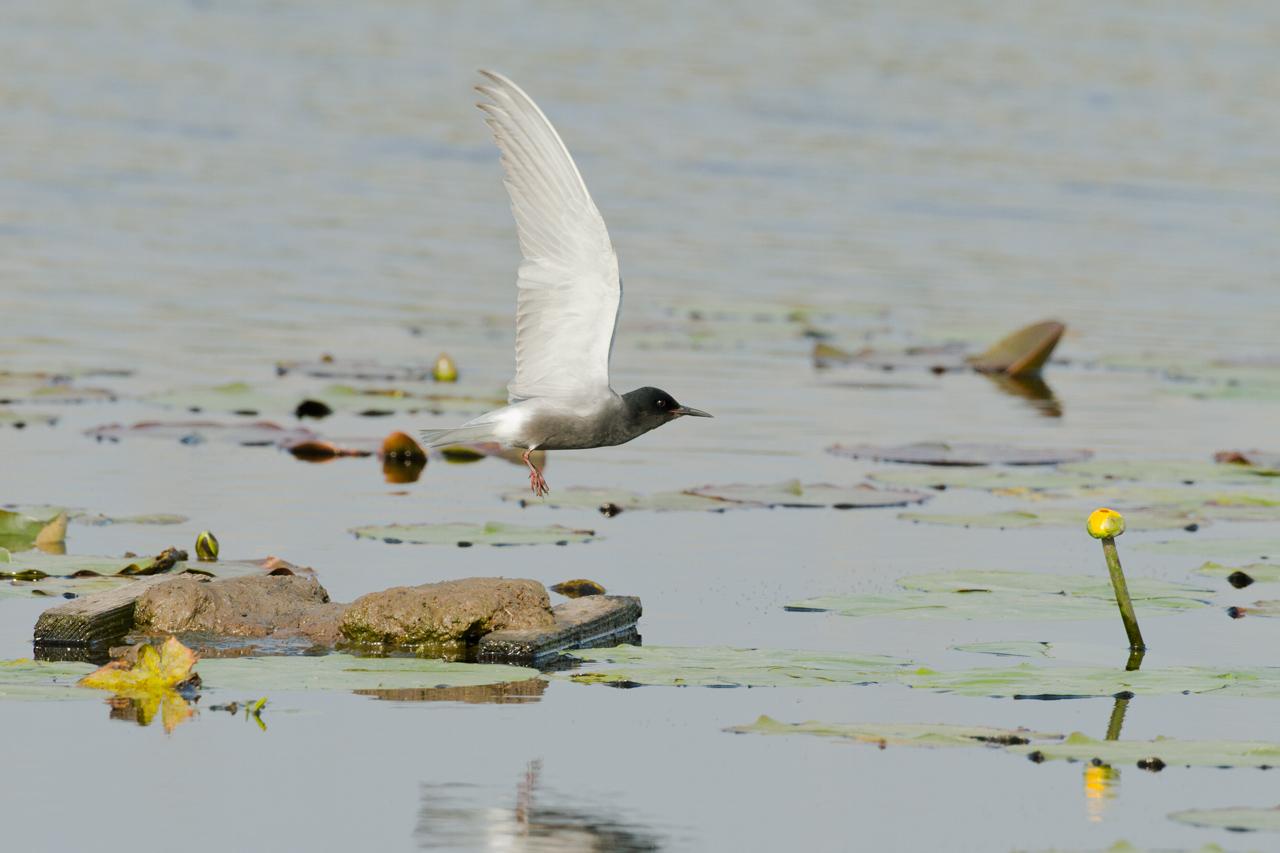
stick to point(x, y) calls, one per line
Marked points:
point(93, 619)
point(580, 623)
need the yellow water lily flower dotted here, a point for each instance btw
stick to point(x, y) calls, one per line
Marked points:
point(1105, 523)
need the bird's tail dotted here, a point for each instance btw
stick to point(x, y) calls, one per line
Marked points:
point(457, 435)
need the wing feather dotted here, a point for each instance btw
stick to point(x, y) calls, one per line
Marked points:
point(568, 289)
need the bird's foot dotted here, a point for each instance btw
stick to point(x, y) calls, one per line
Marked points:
point(538, 483)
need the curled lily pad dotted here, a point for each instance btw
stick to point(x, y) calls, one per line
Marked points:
point(961, 454)
point(900, 734)
point(1237, 819)
point(1148, 518)
point(793, 493)
point(1022, 353)
point(719, 666)
point(999, 595)
point(19, 532)
point(580, 497)
point(1031, 681)
point(490, 533)
point(1170, 751)
point(1261, 461)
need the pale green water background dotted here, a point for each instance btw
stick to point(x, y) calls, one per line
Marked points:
point(195, 190)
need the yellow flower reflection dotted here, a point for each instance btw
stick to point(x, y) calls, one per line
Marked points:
point(1101, 785)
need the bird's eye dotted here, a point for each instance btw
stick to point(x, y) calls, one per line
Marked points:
point(662, 404)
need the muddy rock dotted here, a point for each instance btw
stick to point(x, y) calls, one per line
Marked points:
point(451, 611)
point(257, 606)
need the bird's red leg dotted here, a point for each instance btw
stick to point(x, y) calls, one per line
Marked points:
point(536, 481)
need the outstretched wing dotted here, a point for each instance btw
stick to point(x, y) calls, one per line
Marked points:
point(569, 290)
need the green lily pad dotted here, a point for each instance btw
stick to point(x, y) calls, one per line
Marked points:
point(719, 666)
point(1258, 572)
point(242, 398)
point(1031, 478)
point(899, 734)
point(1166, 471)
point(1030, 681)
point(1012, 649)
point(43, 680)
point(999, 595)
point(795, 494)
point(961, 454)
point(579, 497)
point(1171, 751)
point(34, 389)
point(19, 419)
point(95, 519)
point(256, 434)
point(490, 533)
point(1238, 819)
point(1258, 608)
point(19, 531)
point(360, 369)
point(1152, 518)
point(1221, 549)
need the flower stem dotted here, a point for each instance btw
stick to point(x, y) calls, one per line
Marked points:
point(1122, 594)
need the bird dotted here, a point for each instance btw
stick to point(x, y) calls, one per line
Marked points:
point(568, 295)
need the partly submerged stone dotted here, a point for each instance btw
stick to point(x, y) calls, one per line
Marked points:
point(254, 606)
point(450, 611)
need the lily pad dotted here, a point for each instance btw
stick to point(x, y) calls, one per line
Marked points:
point(899, 734)
point(242, 398)
point(19, 419)
point(1258, 572)
point(19, 531)
point(96, 519)
point(28, 679)
point(1030, 681)
point(490, 533)
point(361, 369)
point(720, 666)
point(1258, 608)
point(581, 497)
point(1022, 353)
point(1012, 648)
point(795, 494)
point(961, 454)
point(1148, 518)
point(999, 595)
point(1222, 549)
point(1170, 751)
point(1166, 471)
point(256, 434)
point(1029, 478)
point(1238, 819)
point(1260, 461)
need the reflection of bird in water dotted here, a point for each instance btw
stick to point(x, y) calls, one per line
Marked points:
point(446, 822)
point(569, 294)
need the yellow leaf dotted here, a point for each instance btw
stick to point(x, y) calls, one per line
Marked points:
point(153, 672)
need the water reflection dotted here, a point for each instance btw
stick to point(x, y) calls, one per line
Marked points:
point(508, 692)
point(1102, 781)
point(465, 817)
point(1032, 389)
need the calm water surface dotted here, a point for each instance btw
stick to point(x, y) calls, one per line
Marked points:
point(193, 191)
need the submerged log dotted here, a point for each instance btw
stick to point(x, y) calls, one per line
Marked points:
point(93, 619)
point(594, 620)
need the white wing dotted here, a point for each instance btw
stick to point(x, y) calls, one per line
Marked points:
point(569, 290)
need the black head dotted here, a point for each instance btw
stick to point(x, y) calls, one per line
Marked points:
point(652, 407)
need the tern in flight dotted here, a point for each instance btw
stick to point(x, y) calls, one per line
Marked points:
point(567, 305)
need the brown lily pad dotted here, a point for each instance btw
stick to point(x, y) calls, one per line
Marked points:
point(961, 454)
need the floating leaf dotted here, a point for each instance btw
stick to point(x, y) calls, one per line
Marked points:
point(580, 497)
point(1030, 681)
point(578, 588)
point(256, 434)
point(1164, 472)
point(490, 533)
point(1257, 572)
point(1154, 518)
point(154, 670)
point(1171, 752)
point(718, 666)
point(344, 672)
point(19, 419)
point(1216, 548)
point(795, 494)
point(1258, 608)
point(999, 595)
point(245, 399)
point(43, 680)
point(1022, 353)
point(899, 734)
point(96, 519)
point(329, 367)
point(37, 573)
point(1260, 461)
point(19, 532)
point(961, 454)
point(1238, 819)
point(1012, 648)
